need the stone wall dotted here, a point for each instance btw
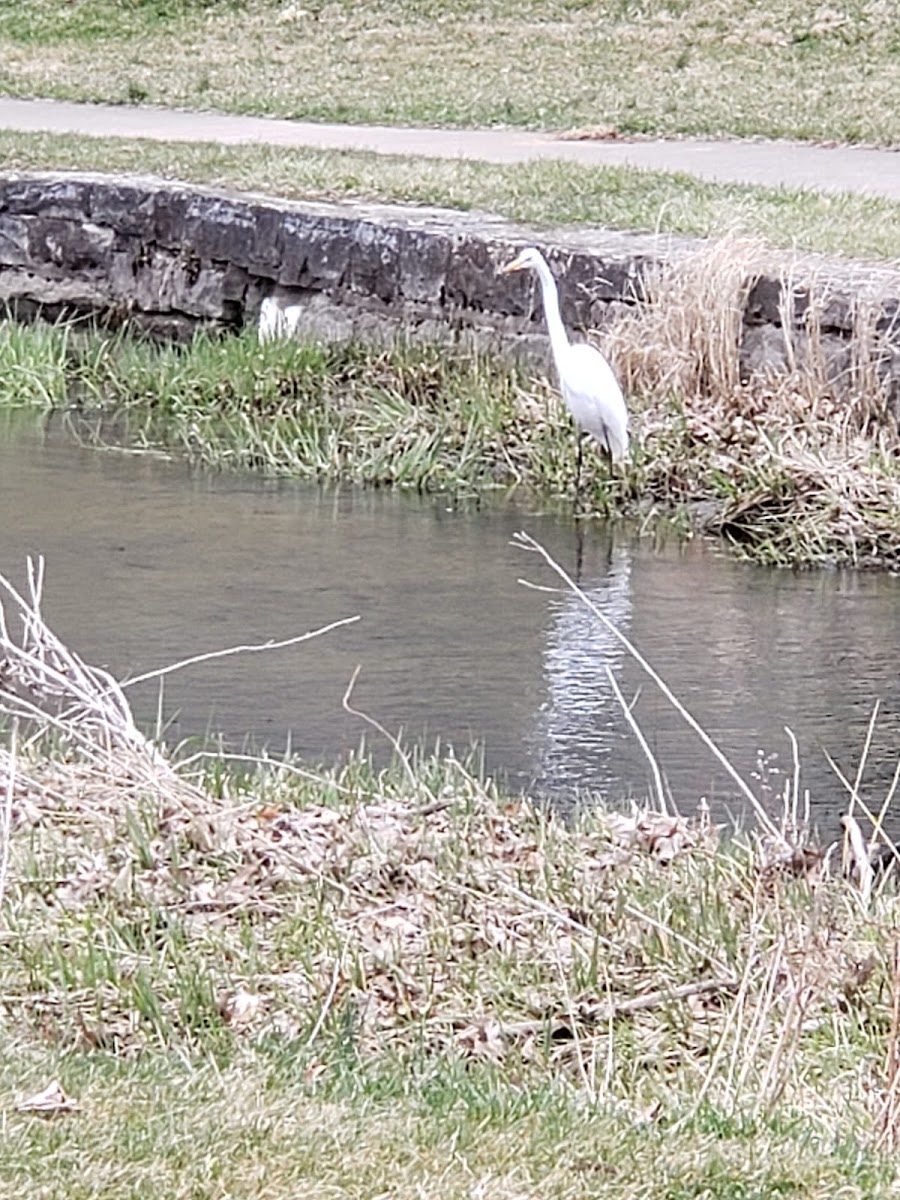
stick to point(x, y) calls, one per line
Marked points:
point(173, 257)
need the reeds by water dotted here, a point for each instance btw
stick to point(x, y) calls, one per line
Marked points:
point(796, 466)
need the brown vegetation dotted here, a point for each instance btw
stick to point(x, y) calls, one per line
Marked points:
point(798, 466)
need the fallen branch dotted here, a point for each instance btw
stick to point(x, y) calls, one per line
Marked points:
point(605, 1011)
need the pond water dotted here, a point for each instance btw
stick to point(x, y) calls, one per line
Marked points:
point(149, 562)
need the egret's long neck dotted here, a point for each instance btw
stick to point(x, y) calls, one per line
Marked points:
point(558, 339)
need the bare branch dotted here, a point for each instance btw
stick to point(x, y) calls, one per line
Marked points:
point(526, 541)
point(249, 649)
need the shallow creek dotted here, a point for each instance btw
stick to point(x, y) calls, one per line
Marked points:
point(149, 562)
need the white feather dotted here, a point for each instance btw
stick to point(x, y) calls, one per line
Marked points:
point(594, 398)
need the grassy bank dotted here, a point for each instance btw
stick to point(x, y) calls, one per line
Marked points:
point(778, 70)
point(258, 979)
point(402, 983)
point(797, 469)
point(548, 193)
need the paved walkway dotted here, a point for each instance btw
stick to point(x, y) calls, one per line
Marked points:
point(773, 164)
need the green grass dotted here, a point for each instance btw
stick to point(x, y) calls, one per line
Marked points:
point(547, 193)
point(792, 476)
point(659, 66)
point(411, 1129)
point(410, 418)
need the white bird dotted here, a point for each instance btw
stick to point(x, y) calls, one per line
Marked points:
point(588, 384)
point(276, 321)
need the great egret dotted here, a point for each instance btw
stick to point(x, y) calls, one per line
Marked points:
point(588, 384)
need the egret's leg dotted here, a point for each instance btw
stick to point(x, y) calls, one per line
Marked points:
point(611, 462)
point(579, 549)
point(580, 435)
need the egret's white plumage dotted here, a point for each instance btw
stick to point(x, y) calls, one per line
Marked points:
point(588, 384)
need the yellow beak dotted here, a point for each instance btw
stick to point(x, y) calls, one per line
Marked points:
point(516, 265)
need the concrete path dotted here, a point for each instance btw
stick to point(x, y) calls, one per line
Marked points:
point(773, 164)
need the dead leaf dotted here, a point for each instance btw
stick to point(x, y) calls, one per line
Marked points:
point(240, 1009)
point(314, 1072)
point(49, 1102)
point(483, 1039)
point(664, 837)
point(592, 133)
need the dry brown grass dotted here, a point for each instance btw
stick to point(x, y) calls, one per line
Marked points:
point(52, 693)
point(464, 924)
point(798, 464)
point(684, 336)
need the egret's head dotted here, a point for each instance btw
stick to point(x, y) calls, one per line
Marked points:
point(528, 258)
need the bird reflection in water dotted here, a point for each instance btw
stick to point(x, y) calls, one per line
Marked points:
point(579, 725)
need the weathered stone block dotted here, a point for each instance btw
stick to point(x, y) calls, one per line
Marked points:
point(123, 207)
point(14, 250)
point(177, 256)
point(72, 247)
point(221, 229)
point(374, 266)
point(265, 254)
point(472, 282)
point(45, 195)
point(423, 261)
point(315, 251)
point(168, 216)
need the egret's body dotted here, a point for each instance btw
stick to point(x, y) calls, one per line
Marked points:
point(587, 382)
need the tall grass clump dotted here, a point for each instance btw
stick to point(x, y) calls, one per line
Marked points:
point(416, 416)
point(35, 365)
point(797, 464)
